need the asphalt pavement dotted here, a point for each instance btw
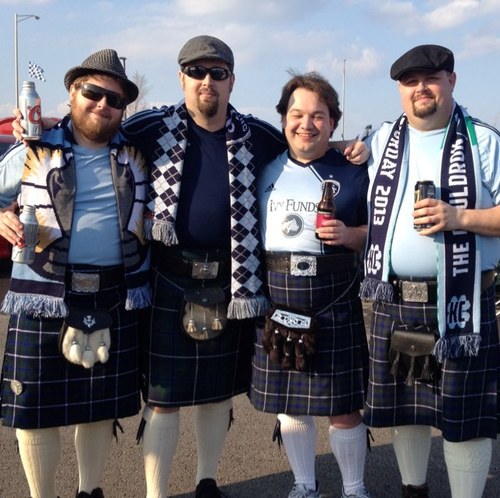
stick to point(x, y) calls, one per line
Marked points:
point(252, 466)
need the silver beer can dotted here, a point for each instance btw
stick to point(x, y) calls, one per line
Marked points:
point(424, 190)
point(24, 251)
point(30, 107)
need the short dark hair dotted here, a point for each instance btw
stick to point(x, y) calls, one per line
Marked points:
point(316, 83)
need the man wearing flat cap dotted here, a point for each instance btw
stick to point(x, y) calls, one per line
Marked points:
point(206, 274)
point(433, 246)
point(71, 356)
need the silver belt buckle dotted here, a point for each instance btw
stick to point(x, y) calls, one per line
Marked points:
point(414, 292)
point(303, 266)
point(84, 282)
point(205, 270)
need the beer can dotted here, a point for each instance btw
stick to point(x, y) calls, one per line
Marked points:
point(24, 251)
point(424, 190)
point(30, 107)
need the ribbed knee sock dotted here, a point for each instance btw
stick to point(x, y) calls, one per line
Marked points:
point(349, 447)
point(412, 446)
point(161, 434)
point(40, 451)
point(468, 463)
point(211, 425)
point(299, 439)
point(92, 444)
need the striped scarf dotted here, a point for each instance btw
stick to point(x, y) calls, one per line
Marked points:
point(247, 299)
point(457, 251)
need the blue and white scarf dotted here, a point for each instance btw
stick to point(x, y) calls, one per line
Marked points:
point(247, 299)
point(459, 274)
point(49, 184)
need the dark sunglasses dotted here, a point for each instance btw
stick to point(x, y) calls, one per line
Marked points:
point(200, 72)
point(96, 93)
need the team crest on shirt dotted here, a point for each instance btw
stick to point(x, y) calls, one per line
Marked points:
point(292, 225)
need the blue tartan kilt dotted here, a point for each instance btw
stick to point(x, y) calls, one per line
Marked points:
point(181, 371)
point(464, 403)
point(55, 392)
point(336, 379)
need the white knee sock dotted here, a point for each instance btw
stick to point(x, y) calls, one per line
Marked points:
point(349, 447)
point(412, 445)
point(468, 463)
point(161, 434)
point(92, 444)
point(211, 425)
point(299, 439)
point(40, 451)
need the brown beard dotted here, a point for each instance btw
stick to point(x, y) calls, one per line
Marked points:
point(208, 109)
point(426, 111)
point(96, 132)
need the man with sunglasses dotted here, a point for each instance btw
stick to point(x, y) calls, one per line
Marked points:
point(204, 157)
point(90, 273)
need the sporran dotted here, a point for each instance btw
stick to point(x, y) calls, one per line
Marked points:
point(411, 356)
point(289, 337)
point(204, 313)
point(84, 338)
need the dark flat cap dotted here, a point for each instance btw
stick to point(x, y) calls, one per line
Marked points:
point(423, 58)
point(205, 47)
point(104, 62)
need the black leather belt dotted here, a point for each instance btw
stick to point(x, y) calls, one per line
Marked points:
point(202, 266)
point(306, 265)
point(87, 278)
point(425, 291)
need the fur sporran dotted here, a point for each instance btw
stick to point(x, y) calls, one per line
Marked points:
point(411, 356)
point(289, 337)
point(85, 336)
point(204, 313)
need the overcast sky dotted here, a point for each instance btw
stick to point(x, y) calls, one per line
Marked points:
point(348, 41)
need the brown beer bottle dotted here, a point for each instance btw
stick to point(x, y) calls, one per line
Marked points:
point(326, 206)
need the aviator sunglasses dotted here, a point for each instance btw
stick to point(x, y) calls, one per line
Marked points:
point(96, 93)
point(200, 72)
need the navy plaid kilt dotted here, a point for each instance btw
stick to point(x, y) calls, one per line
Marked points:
point(181, 371)
point(58, 393)
point(335, 383)
point(465, 402)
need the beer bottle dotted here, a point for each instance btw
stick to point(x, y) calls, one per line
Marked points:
point(326, 206)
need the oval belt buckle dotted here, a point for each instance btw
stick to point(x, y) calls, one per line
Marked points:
point(303, 266)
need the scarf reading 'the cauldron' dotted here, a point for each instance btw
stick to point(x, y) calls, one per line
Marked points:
point(457, 252)
point(247, 299)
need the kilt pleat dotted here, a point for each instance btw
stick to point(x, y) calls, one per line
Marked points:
point(180, 371)
point(40, 388)
point(336, 379)
point(464, 403)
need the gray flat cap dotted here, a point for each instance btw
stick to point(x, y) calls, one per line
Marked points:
point(205, 47)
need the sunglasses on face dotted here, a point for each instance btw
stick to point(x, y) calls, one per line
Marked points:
point(96, 93)
point(200, 72)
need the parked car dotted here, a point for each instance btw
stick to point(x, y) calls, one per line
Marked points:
point(6, 140)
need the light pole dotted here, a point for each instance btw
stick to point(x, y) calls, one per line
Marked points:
point(17, 19)
point(124, 64)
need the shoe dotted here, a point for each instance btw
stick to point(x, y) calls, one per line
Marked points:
point(300, 491)
point(207, 488)
point(96, 493)
point(410, 491)
point(360, 493)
